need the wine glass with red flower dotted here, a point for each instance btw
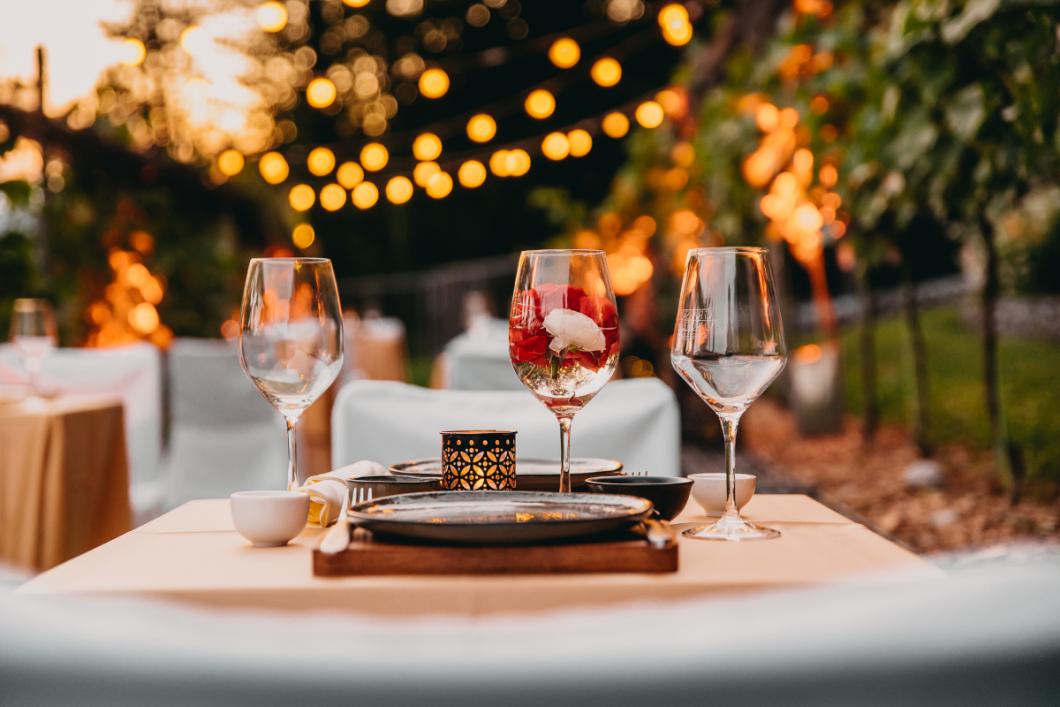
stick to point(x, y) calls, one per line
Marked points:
point(563, 333)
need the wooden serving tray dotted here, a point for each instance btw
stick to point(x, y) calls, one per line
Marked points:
point(372, 556)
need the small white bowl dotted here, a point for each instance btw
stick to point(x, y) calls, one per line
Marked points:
point(709, 491)
point(269, 518)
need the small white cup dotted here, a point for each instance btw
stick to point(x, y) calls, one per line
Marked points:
point(269, 518)
point(709, 491)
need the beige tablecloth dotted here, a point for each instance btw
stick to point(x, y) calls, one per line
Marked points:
point(192, 554)
point(64, 479)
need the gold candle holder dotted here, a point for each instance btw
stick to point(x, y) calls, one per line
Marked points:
point(478, 460)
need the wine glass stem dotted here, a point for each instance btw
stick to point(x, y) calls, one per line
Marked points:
point(564, 454)
point(729, 424)
point(292, 451)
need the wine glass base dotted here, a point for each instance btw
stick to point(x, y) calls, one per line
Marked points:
point(731, 528)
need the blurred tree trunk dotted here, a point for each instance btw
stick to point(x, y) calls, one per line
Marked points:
point(922, 398)
point(867, 351)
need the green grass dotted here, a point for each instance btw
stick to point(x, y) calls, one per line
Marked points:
point(1029, 390)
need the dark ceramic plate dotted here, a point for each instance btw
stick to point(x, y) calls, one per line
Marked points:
point(499, 517)
point(530, 474)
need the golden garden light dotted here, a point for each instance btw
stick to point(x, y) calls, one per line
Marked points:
point(321, 92)
point(481, 127)
point(332, 197)
point(423, 171)
point(615, 125)
point(135, 52)
point(301, 197)
point(427, 147)
point(439, 185)
point(230, 162)
point(399, 190)
point(649, 114)
point(606, 72)
point(517, 162)
point(349, 175)
point(365, 195)
point(499, 163)
point(356, 3)
point(675, 24)
point(273, 168)
point(564, 53)
point(271, 16)
point(434, 83)
point(581, 142)
point(540, 104)
point(320, 161)
point(374, 157)
point(472, 174)
point(555, 146)
point(303, 236)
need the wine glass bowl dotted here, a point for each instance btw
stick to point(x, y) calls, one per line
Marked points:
point(728, 346)
point(290, 343)
point(563, 333)
point(34, 334)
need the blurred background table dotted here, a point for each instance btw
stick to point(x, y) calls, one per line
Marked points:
point(193, 554)
point(64, 478)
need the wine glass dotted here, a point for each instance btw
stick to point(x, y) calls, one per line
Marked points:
point(563, 333)
point(728, 346)
point(33, 332)
point(290, 338)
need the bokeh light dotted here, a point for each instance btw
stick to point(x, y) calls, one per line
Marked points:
point(230, 162)
point(517, 162)
point(332, 197)
point(423, 171)
point(439, 185)
point(540, 104)
point(434, 83)
point(481, 127)
point(303, 235)
point(581, 142)
point(564, 53)
point(555, 146)
point(273, 167)
point(675, 24)
point(499, 163)
point(398, 190)
point(356, 3)
point(365, 195)
point(472, 174)
point(649, 114)
point(606, 72)
point(615, 125)
point(271, 16)
point(349, 175)
point(321, 92)
point(427, 147)
point(320, 161)
point(374, 157)
point(135, 52)
point(301, 197)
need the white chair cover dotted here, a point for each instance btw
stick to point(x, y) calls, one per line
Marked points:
point(478, 359)
point(984, 636)
point(635, 421)
point(224, 436)
point(132, 373)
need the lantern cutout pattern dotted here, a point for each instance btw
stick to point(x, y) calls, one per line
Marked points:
point(478, 460)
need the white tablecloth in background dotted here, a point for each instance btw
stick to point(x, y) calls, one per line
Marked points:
point(478, 359)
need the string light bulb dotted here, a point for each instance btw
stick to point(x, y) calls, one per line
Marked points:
point(427, 147)
point(675, 24)
point(481, 127)
point(321, 92)
point(349, 175)
point(230, 162)
point(615, 125)
point(320, 161)
point(581, 142)
point(374, 157)
point(540, 104)
point(564, 53)
point(273, 167)
point(365, 195)
point(303, 235)
point(271, 17)
point(606, 72)
point(649, 114)
point(499, 163)
point(517, 162)
point(472, 174)
point(434, 83)
point(423, 171)
point(356, 3)
point(301, 197)
point(555, 146)
point(332, 197)
point(135, 52)
point(439, 185)
point(398, 190)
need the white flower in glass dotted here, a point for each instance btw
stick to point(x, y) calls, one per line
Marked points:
point(573, 330)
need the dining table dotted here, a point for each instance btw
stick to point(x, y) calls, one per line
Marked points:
point(64, 477)
point(194, 555)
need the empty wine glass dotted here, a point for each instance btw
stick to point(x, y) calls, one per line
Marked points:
point(728, 346)
point(33, 332)
point(563, 333)
point(290, 339)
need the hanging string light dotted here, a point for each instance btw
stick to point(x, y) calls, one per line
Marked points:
point(365, 195)
point(332, 197)
point(230, 162)
point(321, 92)
point(423, 171)
point(356, 3)
point(320, 161)
point(649, 114)
point(427, 147)
point(273, 167)
point(675, 25)
point(434, 83)
point(499, 163)
point(555, 146)
point(374, 157)
point(349, 175)
point(517, 162)
point(606, 72)
point(472, 174)
point(398, 190)
point(615, 125)
point(439, 185)
point(301, 197)
point(303, 235)
point(271, 16)
point(564, 53)
point(481, 127)
point(540, 104)
point(581, 142)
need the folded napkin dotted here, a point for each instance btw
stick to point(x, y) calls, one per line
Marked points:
point(327, 492)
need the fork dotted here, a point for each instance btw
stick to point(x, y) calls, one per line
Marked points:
point(338, 538)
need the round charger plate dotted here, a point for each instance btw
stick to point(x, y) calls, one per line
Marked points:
point(530, 474)
point(498, 517)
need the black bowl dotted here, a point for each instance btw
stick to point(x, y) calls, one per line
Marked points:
point(668, 494)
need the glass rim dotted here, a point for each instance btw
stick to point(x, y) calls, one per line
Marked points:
point(564, 251)
point(291, 259)
point(729, 249)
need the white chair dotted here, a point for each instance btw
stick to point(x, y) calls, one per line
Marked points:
point(989, 636)
point(224, 436)
point(478, 359)
point(132, 373)
point(635, 421)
